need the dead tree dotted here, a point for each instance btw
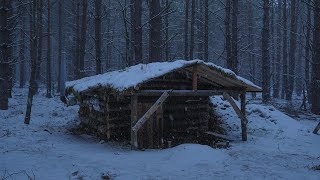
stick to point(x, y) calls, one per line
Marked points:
point(265, 53)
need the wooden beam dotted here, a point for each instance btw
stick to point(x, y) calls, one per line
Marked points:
point(239, 113)
point(220, 136)
point(195, 78)
point(315, 131)
point(185, 92)
point(134, 117)
point(147, 115)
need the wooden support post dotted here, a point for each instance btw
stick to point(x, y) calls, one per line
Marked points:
point(195, 78)
point(244, 120)
point(241, 113)
point(134, 118)
point(315, 131)
point(107, 109)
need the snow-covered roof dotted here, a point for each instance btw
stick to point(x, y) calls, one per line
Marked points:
point(131, 77)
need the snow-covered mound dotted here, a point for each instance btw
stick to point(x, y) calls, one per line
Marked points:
point(278, 147)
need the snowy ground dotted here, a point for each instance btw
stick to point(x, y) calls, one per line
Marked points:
point(278, 147)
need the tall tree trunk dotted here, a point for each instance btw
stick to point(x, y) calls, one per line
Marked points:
point(284, 53)
point(5, 7)
point(265, 53)
point(292, 52)
point(277, 69)
point(59, 44)
point(315, 76)
point(272, 44)
point(77, 44)
point(307, 52)
point(49, 80)
point(83, 38)
point(34, 33)
point(39, 48)
point(155, 31)
point(136, 31)
point(22, 49)
point(193, 11)
point(234, 40)
point(167, 47)
point(228, 44)
point(97, 22)
point(186, 30)
point(206, 30)
point(299, 85)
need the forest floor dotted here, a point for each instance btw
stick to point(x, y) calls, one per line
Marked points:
point(278, 147)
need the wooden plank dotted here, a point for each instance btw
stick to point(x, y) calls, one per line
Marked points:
point(244, 120)
point(233, 105)
point(195, 78)
point(134, 117)
point(185, 92)
point(153, 108)
point(220, 136)
point(315, 131)
point(240, 113)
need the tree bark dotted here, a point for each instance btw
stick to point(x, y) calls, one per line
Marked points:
point(155, 31)
point(234, 40)
point(22, 49)
point(34, 33)
point(206, 30)
point(49, 80)
point(285, 55)
point(186, 30)
point(265, 53)
point(307, 53)
point(136, 30)
point(83, 38)
point(315, 76)
point(98, 45)
point(277, 69)
point(228, 34)
point(193, 11)
point(292, 52)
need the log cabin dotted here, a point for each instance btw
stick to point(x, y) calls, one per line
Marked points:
point(159, 104)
